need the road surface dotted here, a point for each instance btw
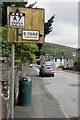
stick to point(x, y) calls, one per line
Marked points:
point(64, 87)
point(43, 105)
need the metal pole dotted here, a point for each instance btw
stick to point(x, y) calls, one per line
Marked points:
point(12, 83)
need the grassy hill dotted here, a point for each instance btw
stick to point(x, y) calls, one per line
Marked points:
point(50, 48)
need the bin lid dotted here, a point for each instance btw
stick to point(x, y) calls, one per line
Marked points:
point(26, 78)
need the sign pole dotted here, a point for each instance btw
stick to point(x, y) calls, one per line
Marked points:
point(23, 31)
point(12, 82)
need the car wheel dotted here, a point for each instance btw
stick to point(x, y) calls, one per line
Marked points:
point(40, 75)
point(52, 75)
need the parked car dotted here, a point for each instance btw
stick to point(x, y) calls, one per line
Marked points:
point(46, 70)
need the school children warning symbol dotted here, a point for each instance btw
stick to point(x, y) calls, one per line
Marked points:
point(17, 19)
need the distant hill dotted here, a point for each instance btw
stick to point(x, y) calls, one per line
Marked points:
point(50, 48)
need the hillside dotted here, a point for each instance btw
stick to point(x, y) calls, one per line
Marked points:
point(50, 48)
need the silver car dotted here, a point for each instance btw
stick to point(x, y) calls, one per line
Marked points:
point(46, 70)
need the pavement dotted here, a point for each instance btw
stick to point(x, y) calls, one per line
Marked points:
point(43, 105)
point(0, 107)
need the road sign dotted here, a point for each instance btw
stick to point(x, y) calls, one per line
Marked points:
point(17, 20)
point(25, 25)
point(30, 35)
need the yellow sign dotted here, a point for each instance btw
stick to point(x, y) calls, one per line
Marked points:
point(25, 25)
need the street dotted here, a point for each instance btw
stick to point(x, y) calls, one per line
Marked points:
point(64, 87)
point(43, 105)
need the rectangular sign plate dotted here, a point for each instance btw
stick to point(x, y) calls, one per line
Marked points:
point(25, 25)
point(30, 35)
point(17, 20)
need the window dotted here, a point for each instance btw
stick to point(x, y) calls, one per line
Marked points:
point(60, 59)
point(55, 59)
point(67, 60)
point(2, 61)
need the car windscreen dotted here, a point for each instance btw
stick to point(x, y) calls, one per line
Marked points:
point(48, 67)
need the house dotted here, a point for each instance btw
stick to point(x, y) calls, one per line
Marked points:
point(66, 60)
point(58, 60)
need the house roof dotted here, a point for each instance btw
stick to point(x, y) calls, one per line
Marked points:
point(78, 49)
point(66, 56)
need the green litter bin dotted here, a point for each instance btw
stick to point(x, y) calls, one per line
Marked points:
point(25, 91)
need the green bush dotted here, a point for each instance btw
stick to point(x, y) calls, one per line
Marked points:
point(62, 66)
point(77, 60)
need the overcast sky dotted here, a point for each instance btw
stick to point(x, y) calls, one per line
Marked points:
point(65, 26)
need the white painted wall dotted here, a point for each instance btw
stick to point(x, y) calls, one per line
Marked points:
point(58, 62)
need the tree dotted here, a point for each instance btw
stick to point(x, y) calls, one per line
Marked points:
point(23, 52)
point(47, 30)
point(77, 60)
point(6, 47)
point(48, 25)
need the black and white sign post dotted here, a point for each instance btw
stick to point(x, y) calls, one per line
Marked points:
point(16, 21)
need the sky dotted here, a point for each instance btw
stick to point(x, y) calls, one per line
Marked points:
point(65, 25)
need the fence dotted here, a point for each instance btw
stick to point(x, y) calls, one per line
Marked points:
point(77, 67)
